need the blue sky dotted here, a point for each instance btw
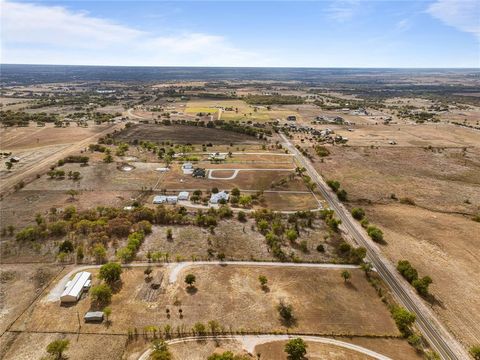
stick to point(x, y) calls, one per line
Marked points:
point(352, 33)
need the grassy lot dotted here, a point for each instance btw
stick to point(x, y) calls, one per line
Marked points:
point(233, 297)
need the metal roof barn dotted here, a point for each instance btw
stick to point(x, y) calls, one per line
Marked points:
point(75, 287)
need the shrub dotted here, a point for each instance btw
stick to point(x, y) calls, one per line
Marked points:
point(101, 293)
point(241, 216)
point(475, 352)
point(407, 270)
point(291, 234)
point(358, 213)
point(334, 185)
point(320, 248)
point(57, 347)
point(342, 195)
point(66, 247)
point(375, 233)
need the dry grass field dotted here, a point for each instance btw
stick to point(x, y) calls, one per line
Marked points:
point(183, 135)
point(32, 137)
point(437, 234)
point(396, 348)
point(245, 112)
point(232, 296)
point(83, 346)
point(442, 246)
point(20, 284)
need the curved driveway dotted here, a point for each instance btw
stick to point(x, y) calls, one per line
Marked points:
point(250, 341)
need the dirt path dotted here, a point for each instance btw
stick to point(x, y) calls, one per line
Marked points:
point(249, 343)
point(40, 166)
point(236, 171)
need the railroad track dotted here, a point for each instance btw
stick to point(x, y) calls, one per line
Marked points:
point(435, 333)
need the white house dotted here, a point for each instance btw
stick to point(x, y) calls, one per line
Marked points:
point(187, 168)
point(183, 195)
point(75, 287)
point(172, 199)
point(160, 199)
point(215, 198)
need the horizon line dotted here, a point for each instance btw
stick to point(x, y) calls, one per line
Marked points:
point(253, 67)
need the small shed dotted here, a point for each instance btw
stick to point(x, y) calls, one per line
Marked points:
point(93, 316)
point(183, 195)
point(75, 287)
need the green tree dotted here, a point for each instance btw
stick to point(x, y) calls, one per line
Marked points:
point(107, 311)
point(245, 200)
point(235, 191)
point(160, 351)
point(190, 280)
point(72, 193)
point(110, 272)
point(358, 213)
point(346, 275)
point(66, 247)
point(475, 352)
point(57, 347)
point(263, 281)
point(296, 349)
point(421, 285)
point(375, 233)
point(9, 165)
point(101, 293)
point(403, 318)
point(199, 329)
point(169, 234)
point(342, 195)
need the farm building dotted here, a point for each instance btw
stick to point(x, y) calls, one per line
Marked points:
point(183, 195)
point(216, 198)
point(75, 287)
point(160, 199)
point(93, 316)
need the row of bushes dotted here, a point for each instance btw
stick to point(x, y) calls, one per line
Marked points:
point(411, 275)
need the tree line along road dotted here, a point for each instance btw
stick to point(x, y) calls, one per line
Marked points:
point(435, 333)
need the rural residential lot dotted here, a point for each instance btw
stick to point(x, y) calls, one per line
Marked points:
point(222, 214)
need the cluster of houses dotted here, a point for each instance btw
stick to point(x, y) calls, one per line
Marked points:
point(324, 135)
point(171, 199)
point(189, 169)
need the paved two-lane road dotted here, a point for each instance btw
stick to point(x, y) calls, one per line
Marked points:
point(435, 333)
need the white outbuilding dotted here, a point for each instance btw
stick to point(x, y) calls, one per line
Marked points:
point(183, 195)
point(75, 287)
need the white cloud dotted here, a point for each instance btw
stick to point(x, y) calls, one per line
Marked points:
point(463, 15)
point(41, 34)
point(343, 10)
